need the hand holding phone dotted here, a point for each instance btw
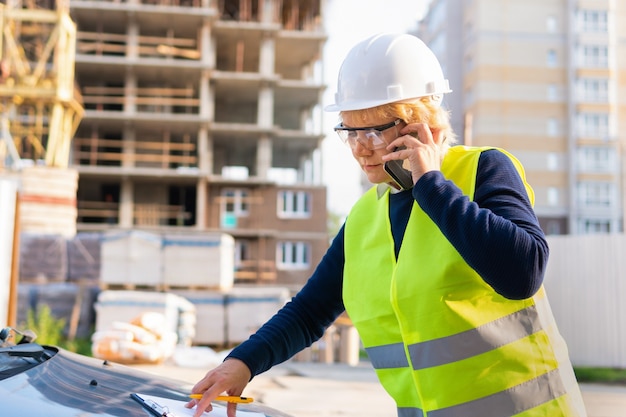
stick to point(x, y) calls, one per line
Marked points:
point(403, 177)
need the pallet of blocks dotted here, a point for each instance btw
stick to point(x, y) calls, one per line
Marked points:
point(125, 305)
point(226, 318)
point(210, 308)
point(249, 307)
point(130, 260)
point(143, 339)
point(83, 258)
point(43, 258)
point(203, 261)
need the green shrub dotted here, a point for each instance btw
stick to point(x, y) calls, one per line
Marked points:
point(601, 375)
point(49, 329)
point(78, 345)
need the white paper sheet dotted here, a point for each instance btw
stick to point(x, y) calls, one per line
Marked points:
point(177, 408)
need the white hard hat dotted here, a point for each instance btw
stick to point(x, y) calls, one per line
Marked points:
point(386, 68)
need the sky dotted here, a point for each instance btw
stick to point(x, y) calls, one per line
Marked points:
point(347, 22)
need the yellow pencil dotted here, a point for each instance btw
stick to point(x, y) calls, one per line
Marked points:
point(227, 398)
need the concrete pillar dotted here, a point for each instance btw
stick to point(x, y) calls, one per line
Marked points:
point(126, 204)
point(267, 56)
point(207, 99)
point(132, 41)
point(268, 11)
point(349, 345)
point(265, 112)
point(327, 346)
point(263, 157)
point(205, 163)
point(128, 147)
point(207, 46)
point(201, 203)
point(130, 93)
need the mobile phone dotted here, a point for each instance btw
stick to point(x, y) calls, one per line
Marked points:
point(402, 177)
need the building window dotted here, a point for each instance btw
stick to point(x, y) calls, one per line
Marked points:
point(242, 254)
point(596, 159)
point(553, 196)
point(551, 58)
point(294, 204)
point(594, 56)
point(594, 90)
point(552, 161)
point(552, 127)
point(594, 226)
point(594, 21)
point(551, 24)
point(552, 92)
point(234, 205)
point(293, 255)
point(593, 125)
point(596, 194)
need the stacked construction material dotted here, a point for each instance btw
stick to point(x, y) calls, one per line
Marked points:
point(131, 258)
point(145, 339)
point(83, 258)
point(134, 259)
point(43, 258)
point(203, 260)
point(48, 200)
point(228, 317)
point(124, 305)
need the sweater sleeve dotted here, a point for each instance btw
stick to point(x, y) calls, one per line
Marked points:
point(302, 320)
point(497, 233)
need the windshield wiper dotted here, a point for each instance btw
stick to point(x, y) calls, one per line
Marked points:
point(26, 350)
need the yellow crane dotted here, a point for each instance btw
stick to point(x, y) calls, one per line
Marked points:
point(40, 106)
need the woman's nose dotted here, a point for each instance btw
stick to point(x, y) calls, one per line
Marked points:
point(360, 149)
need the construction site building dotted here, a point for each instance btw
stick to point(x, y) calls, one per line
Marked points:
point(205, 116)
point(544, 80)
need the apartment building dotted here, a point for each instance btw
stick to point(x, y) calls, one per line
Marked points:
point(543, 79)
point(204, 115)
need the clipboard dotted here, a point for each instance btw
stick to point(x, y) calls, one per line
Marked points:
point(152, 406)
point(166, 407)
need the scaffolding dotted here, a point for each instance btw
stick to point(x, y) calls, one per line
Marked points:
point(40, 106)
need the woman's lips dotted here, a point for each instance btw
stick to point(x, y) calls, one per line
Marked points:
point(370, 167)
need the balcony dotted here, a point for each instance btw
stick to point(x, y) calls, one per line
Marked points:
point(163, 153)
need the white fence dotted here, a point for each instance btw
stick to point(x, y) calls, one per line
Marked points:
point(586, 286)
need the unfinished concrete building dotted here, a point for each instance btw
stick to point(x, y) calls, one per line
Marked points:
point(204, 115)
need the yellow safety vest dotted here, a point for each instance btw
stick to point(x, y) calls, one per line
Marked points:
point(442, 341)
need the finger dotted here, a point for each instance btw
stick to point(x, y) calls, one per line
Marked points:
point(201, 385)
point(231, 409)
point(424, 134)
point(203, 405)
point(395, 152)
point(438, 136)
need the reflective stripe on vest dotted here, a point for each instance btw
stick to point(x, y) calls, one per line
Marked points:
point(459, 346)
point(443, 343)
point(504, 403)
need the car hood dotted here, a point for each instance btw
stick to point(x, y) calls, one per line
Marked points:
point(72, 385)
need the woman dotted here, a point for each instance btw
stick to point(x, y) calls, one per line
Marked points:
point(442, 277)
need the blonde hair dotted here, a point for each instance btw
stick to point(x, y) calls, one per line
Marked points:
point(422, 110)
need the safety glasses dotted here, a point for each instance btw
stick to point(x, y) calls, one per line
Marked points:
point(371, 137)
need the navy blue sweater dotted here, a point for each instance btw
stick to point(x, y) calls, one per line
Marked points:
point(497, 234)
